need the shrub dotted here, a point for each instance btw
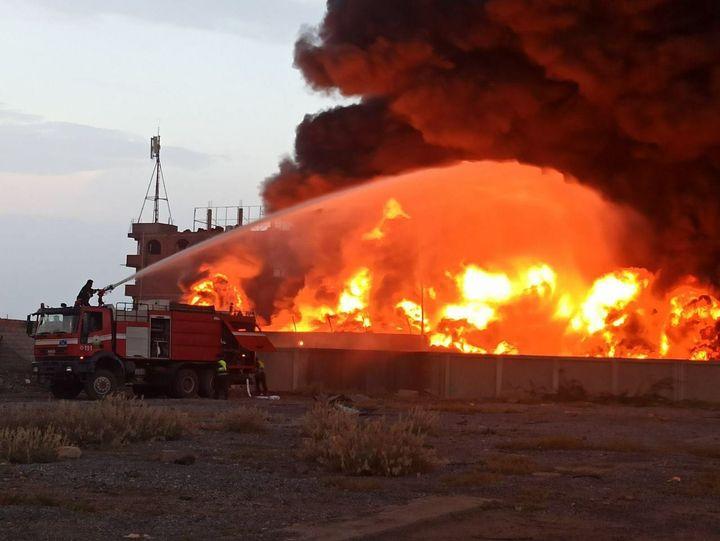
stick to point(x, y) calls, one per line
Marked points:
point(421, 420)
point(321, 419)
point(343, 442)
point(110, 422)
point(244, 419)
point(28, 445)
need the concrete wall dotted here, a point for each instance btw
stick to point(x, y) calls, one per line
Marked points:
point(452, 375)
point(16, 347)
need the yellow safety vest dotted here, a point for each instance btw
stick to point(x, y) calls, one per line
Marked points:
point(261, 364)
point(222, 367)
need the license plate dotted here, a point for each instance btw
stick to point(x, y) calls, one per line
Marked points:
point(51, 352)
point(139, 371)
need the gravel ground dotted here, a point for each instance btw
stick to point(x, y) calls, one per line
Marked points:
point(611, 472)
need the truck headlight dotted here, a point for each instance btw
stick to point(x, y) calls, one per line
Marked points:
point(68, 369)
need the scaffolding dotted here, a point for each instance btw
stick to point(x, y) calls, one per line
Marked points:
point(210, 217)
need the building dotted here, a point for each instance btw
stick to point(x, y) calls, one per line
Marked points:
point(156, 241)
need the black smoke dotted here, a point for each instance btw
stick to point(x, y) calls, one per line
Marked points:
point(624, 96)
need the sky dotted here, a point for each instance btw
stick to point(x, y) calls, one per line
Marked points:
point(84, 86)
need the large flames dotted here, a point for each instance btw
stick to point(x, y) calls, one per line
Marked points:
point(535, 285)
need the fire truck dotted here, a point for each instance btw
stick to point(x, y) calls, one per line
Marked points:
point(168, 348)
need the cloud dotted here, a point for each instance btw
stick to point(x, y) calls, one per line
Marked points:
point(32, 145)
point(266, 19)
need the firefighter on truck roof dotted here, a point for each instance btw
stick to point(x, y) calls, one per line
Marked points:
point(87, 291)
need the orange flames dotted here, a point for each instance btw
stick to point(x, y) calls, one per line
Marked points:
point(217, 291)
point(506, 277)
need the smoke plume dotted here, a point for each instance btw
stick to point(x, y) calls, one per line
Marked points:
point(624, 96)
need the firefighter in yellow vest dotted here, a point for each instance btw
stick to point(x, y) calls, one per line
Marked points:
point(260, 381)
point(222, 380)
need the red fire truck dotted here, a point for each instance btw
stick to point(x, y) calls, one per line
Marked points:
point(170, 348)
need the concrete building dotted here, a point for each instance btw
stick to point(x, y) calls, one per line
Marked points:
point(156, 241)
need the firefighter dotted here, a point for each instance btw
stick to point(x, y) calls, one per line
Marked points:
point(222, 380)
point(87, 291)
point(260, 380)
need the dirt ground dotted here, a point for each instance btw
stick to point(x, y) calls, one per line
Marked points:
point(548, 471)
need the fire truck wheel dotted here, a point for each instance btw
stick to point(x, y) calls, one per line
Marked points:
point(207, 379)
point(66, 391)
point(101, 384)
point(185, 383)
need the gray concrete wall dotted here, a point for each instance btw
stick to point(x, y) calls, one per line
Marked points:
point(451, 375)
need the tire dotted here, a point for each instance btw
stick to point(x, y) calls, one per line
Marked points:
point(207, 381)
point(101, 384)
point(66, 391)
point(185, 384)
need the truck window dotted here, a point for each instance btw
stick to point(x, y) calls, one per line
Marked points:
point(56, 323)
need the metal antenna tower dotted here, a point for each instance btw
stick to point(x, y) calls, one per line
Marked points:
point(158, 177)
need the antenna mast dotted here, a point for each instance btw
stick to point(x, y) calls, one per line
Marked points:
point(158, 177)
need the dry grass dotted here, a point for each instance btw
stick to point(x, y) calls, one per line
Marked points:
point(244, 420)
point(111, 422)
point(421, 420)
point(342, 442)
point(29, 445)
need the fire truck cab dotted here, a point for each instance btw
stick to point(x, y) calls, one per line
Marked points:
point(162, 347)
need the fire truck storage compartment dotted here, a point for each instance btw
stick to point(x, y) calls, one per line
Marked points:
point(160, 337)
point(195, 335)
point(137, 342)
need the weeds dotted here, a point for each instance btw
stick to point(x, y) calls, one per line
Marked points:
point(244, 420)
point(28, 445)
point(421, 420)
point(343, 442)
point(111, 422)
